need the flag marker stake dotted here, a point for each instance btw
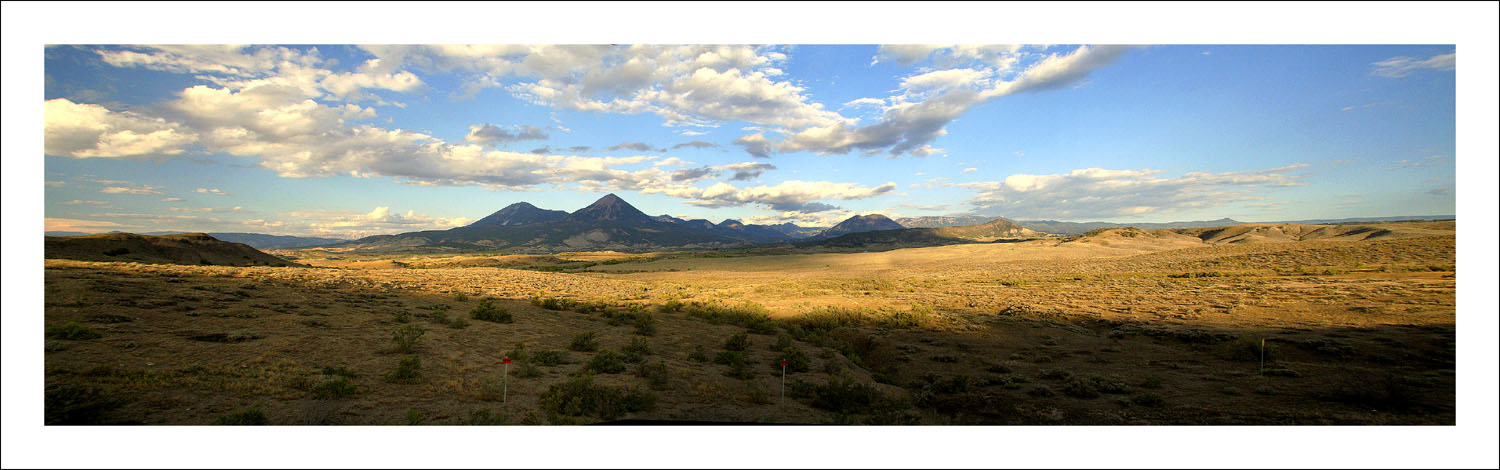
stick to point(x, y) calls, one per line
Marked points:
point(505, 381)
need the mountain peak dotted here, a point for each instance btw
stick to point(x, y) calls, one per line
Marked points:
point(520, 213)
point(862, 223)
point(610, 207)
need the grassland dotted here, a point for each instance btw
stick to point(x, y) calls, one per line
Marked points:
point(1037, 332)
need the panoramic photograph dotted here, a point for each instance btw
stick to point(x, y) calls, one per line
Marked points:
point(577, 244)
point(797, 234)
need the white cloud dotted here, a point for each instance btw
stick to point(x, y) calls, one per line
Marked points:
point(241, 67)
point(791, 195)
point(214, 191)
point(214, 210)
point(76, 202)
point(1401, 66)
point(490, 134)
point(53, 224)
point(1102, 193)
point(143, 190)
point(171, 199)
point(969, 170)
point(93, 131)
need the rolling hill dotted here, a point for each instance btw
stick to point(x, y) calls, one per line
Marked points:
point(182, 248)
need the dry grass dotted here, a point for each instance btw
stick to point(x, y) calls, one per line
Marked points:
point(1362, 332)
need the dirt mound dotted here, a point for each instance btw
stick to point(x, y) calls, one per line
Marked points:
point(182, 248)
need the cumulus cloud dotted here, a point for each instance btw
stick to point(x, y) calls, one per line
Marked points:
point(213, 191)
point(738, 171)
point(757, 145)
point(93, 131)
point(238, 66)
point(54, 224)
point(1401, 66)
point(491, 135)
point(1104, 193)
point(76, 202)
point(693, 174)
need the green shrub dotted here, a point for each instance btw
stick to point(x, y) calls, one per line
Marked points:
point(637, 350)
point(656, 375)
point(72, 332)
point(580, 396)
point(797, 361)
point(517, 353)
point(249, 417)
point(747, 315)
point(414, 417)
point(548, 357)
point(460, 297)
point(842, 394)
point(528, 370)
point(552, 303)
point(407, 337)
point(487, 311)
point(337, 387)
point(408, 371)
point(483, 417)
point(584, 342)
point(699, 354)
point(738, 342)
point(645, 324)
point(339, 371)
point(607, 361)
point(439, 317)
point(402, 317)
point(458, 323)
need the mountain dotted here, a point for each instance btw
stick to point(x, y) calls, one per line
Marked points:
point(182, 248)
point(262, 241)
point(1262, 233)
point(795, 231)
point(750, 233)
point(994, 230)
point(861, 223)
point(610, 208)
point(520, 213)
point(608, 224)
point(1402, 218)
point(943, 221)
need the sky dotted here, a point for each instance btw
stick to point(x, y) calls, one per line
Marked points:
point(350, 141)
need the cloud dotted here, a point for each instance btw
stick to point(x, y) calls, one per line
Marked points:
point(543, 150)
point(746, 170)
point(697, 144)
point(171, 199)
point(76, 202)
point(143, 190)
point(239, 67)
point(636, 146)
point(969, 170)
point(579, 148)
point(1102, 193)
point(672, 161)
point(491, 135)
point(1401, 66)
point(756, 145)
point(1441, 191)
point(1430, 160)
point(932, 100)
point(92, 131)
point(792, 195)
point(77, 225)
point(693, 174)
point(215, 210)
point(213, 191)
point(930, 207)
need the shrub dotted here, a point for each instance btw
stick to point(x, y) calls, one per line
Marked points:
point(699, 354)
point(72, 332)
point(339, 371)
point(1151, 381)
point(1054, 374)
point(528, 370)
point(409, 370)
point(580, 396)
point(796, 360)
point(249, 417)
point(414, 417)
point(517, 353)
point(68, 404)
point(747, 315)
point(1248, 349)
point(607, 361)
point(440, 317)
point(584, 342)
point(551, 303)
point(483, 417)
point(402, 317)
point(637, 350)
point(1081, 388)
point(842, 394)
point(487, 311)
point(548, 357)
point(458, 323)
point(645, 324)
point(407, 337)
point(337, 387)
point(738, 342)
point(460, 297)
point(116, 251)
point(1149, 399)
point(656, 375)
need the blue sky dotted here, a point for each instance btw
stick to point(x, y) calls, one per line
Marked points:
point(348, 141)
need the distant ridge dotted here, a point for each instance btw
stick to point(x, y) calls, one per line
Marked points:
point(182, 248)
point(861, 223)
point(520, 213)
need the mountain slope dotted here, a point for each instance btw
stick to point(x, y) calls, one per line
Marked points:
point(861, 223)
point(995, 230)
point(182, 248)
point(520, 213)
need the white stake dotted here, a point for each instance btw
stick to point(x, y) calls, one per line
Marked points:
point(505, 381)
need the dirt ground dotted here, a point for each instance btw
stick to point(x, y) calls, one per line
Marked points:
point(1038, 332)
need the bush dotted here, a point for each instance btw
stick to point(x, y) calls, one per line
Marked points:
point(409, 370)
point(645, 324)
point(548, 357)
point(843, 395)
point(1151, 381)
point(552, 303)
point(458, 323)
point(738, 342)
point(337, 387)
point(796, 360)
point(339, 371)
point(584, 342)
point(72, 332)
point(528, 370)
point(637, 350)
point(580, 396)
point(607, 361)
point(249, 417)
point(1149, 399)
point(699, 354)
point(487, 311)
point(407, 337)
point(656, 375)
point(483, 417)
point(517, 353)
point(460, 297)
point(747, 315)
point(1248, 349)
point(67, 404)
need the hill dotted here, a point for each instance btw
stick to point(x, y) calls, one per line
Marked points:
point(183, 248)
point(520, 213)
point(1261, 233)
point(943, 221)
point(995, 230)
